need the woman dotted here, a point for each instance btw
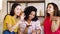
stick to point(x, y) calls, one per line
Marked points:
point(30, 24)
point(11, 21)
point(52, 20)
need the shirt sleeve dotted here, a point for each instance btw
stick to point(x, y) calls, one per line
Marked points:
point(8, 19)
point(22, 26)
point(37, 25)
point(33, 26)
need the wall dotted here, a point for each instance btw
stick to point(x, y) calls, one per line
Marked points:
point(2, 14)
point(54, 1)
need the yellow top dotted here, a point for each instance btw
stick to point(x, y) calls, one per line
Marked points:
point(9, 20)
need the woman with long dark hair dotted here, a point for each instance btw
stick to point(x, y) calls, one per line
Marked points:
point(52, 20)
point(11, 21)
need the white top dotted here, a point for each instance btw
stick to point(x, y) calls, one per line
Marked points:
point(34, 26)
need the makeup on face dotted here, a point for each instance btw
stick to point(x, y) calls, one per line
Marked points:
point(32, 15)
point(17, 10)
point(50, 8)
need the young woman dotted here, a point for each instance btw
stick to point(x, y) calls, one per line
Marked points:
point(11, 21)
point(30, 24)
point(52, 20)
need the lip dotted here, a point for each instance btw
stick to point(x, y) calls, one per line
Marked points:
point(48, 10)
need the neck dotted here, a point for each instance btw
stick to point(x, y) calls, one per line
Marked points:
point(14, 16)
point(51, 16)
point(29, 21)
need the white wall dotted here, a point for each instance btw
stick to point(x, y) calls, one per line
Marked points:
point(2, 14)
point(54, 1)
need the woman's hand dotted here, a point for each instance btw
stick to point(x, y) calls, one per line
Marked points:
point(55, 24)
point(22, 16)
point(26, 29)
point(28, 25)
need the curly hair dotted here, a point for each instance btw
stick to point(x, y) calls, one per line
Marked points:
point(28, 11)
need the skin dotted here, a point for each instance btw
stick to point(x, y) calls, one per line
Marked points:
point(55, 25)
point(17, 11)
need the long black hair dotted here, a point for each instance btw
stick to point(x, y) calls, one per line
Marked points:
point(28, 11)
point(12, 9)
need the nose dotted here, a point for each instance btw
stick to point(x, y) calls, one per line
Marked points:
point(48, 8)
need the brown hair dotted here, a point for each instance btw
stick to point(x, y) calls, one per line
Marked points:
point(56, 9)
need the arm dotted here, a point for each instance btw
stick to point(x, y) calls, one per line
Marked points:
point(38, 31)
point(38, 27)
point(12, 28)
point(19, 31)
point(26, 29)
point(9, 22)
point(55, 25)
point(24, 32)
point(33, 31)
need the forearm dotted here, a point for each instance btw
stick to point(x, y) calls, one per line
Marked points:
point(12, 28)
point(19, 32)
point(33, 31)
point(38, 31)
point(26, 31)
point(54, 26)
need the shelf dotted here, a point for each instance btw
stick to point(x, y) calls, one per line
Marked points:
point(27, 1)
point(41, 16)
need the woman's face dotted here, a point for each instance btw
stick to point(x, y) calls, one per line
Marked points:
point(17, 10)
point(50, 9)
point(32, 15)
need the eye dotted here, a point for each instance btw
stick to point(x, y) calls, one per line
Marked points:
point(49, 7)
point(33, 14)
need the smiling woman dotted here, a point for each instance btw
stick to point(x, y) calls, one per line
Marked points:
point(11, 21)
point(0, 4)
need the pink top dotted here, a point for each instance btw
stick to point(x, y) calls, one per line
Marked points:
point(47, 27)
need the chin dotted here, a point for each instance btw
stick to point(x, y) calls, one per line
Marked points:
point(17, 15)
point(48, 12)
point(30, 19)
